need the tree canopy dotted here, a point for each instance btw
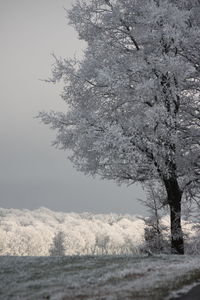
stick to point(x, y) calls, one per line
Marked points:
point(132, 101)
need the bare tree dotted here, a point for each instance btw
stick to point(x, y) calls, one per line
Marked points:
point(156, 201)
point(57, 247)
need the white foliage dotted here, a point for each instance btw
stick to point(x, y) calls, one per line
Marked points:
point(35, 233)
point(131, 99)
point(133, 109)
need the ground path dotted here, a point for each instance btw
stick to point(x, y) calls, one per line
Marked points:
point(193, 294)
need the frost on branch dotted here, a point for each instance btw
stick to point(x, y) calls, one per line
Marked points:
point(132, 101)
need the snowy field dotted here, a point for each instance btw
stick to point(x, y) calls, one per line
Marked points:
point(95, 277)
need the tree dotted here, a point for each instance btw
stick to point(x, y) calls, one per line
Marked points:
point(155, 202)
point(132, 101)
point(58, 247)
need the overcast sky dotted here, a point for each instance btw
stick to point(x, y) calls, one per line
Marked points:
point(32, 173)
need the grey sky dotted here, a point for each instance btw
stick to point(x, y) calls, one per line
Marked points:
point(33, 173)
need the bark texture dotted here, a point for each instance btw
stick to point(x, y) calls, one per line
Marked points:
point(174, 195)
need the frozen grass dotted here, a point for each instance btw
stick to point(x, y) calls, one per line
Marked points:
point(95, 277)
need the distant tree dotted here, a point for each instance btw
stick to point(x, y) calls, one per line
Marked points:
point(155, 202)
point(58, 248)
point(132, 102)
point(102, 244)
point(2, 242)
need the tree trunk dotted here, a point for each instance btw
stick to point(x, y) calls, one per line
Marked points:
point(174, 195)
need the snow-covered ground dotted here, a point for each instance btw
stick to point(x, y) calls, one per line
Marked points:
point(95, 277)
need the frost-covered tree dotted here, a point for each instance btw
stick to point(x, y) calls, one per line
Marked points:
point(132, 102)
point(155, 202)
point(58, 248)
point(102, 244)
